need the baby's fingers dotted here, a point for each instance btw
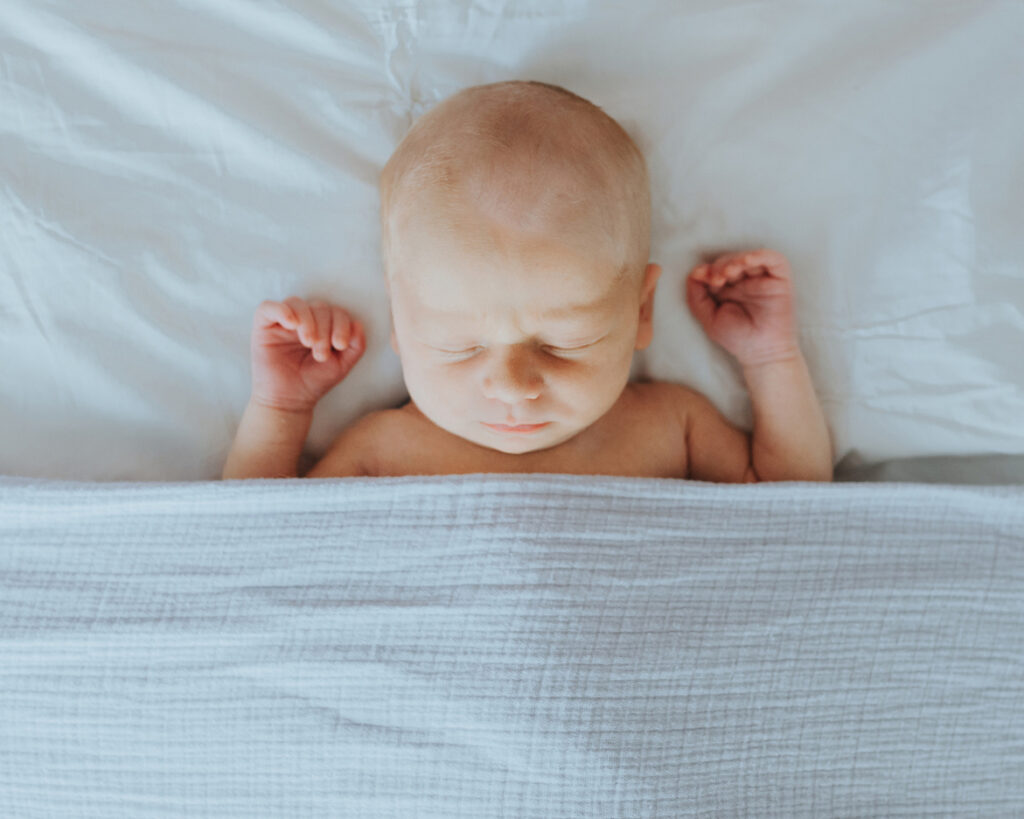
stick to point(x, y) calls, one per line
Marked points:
point(728, 269)
point(355, 343)
point(306, 326)
point(767, 261)
point(700, 272)
point(320, 341)
point(700, 301)
point(341, 328)
point(269, 313)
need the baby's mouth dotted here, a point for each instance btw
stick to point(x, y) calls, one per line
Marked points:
point(518, 428)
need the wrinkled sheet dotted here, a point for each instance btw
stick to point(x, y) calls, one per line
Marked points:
point(505, 645)
point(165, 167)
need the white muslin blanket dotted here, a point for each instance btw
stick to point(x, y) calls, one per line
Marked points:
point(510, 645)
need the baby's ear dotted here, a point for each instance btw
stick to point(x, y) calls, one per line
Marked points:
point(391, 321)
point(645, 330)
point(651, 276)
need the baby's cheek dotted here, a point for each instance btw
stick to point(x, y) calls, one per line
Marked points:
point(441, 380)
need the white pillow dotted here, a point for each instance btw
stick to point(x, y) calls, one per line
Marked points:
point(168, 168)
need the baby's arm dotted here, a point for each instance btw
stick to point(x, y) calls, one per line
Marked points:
point(299, 352)
point(744, 302)
point(790, 441)
point(268, 443)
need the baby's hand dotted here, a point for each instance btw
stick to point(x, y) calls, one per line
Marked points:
point(300, 351)
point(744, 302)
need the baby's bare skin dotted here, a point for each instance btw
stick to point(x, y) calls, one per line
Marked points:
point(642, 435)
point(520, 289)
point(653, 429)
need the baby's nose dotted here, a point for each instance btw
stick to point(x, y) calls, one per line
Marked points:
point(511, 382)
point(510, 393)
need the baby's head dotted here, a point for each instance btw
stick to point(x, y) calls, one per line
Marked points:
point(515, 228)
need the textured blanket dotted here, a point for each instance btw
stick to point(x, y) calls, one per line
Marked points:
point(510, 645)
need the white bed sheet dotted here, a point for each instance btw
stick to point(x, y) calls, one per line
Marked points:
point(164, 167)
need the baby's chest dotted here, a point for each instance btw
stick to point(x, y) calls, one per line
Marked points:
point(639, 444)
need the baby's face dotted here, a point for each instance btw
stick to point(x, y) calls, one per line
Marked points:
point(524, 332)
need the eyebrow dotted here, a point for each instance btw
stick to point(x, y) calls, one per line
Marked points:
point(575, 309)
point(569, 311)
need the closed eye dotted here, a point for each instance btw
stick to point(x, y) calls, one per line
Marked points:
point(555, 349)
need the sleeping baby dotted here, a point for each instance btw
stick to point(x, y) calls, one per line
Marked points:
point(515, 230)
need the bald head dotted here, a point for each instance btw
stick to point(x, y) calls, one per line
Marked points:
point(520, 159)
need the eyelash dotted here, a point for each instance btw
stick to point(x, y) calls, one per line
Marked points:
point(557, 349)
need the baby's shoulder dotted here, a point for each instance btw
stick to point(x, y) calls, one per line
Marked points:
point(666, 398)
point(385, 432)
point(354, 452)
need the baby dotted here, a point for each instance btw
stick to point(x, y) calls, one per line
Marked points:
point(515, 222)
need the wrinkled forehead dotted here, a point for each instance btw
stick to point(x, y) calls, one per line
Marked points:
point(451, 276)
point(475, 308)
point(502, 212)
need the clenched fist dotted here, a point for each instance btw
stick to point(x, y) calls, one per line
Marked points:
point(300, 350)
point(744, 302)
